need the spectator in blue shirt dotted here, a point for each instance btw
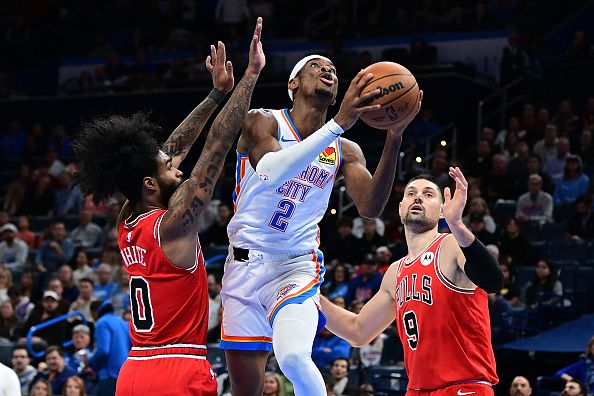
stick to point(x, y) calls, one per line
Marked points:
point(57, 372)
point(338, 284)
point(327, 347)
point(112, 343)
point(573, 184)
point(105, 287)
point(364, 286)
point(56, 251)
point(583, 370)
point(12, 142)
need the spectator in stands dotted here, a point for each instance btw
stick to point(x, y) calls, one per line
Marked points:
point(554, 165)
point(214, 299)
point(57, 371)
point(479, 164)
point(356, 306)
point(25, 234)
point(543, 118)
point(40, 201)
point(87, 234)
point(340, 374)
point(60, 143)
point(566, 120)
point(582, 370)
point(327, 347)
point(81, 345)
point(520, 386)
point(12, 142)
point(105, 286)
point(547, 147)
point(70, 290)
point(367, 283)
point(13, 251)
point(10, 324)
point(534, 167)
point(498, 184)
point(543, 287)
point(476, 225)
point(112, 344)
point(510, 291)
point(75, 201)
point(535, 205)
point(337, 284)
point(340, 301)
point(513, 60)
point(21, 303)
point(48, 309)
point(502, 140)
point(573, 184)
point(74, 387)
point(213, 336)
point(370, 354)
point(383, 257)
point(55, 251)
point(273, 384)
point(514, 244)
point(371, 239)
point(121, 296)
point(479, 206)
point(584, 148)
point(55, 285)
point(393, 353)
point(85, 298)
point(518, 164)
point(216, 234)
point(343, 245)
point(62, 192)
point(21, 364)
point(41, 387)
point(26, 282)
point(580, 50)
point(581, 224)
point(574, 388)
point(82, 268)
point(5, 283)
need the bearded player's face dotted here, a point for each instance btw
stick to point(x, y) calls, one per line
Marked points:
point(421, 205)
point(169, 178)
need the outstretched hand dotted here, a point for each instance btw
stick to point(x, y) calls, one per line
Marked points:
point(398, 129)
point(220, 68)
point(257, 59)
point(454, 206)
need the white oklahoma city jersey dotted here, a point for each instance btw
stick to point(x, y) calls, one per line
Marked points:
point(284, 217)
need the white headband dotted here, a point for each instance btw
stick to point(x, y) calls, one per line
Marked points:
point(297, 68)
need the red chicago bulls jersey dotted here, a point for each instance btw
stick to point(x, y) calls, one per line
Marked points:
point(169, 304)
point(444, 329)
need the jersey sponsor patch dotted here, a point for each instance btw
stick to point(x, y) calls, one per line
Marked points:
point(427, 258)
point(283, 291)
point(328, 156)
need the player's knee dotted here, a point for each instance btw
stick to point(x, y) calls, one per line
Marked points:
point(292, 361)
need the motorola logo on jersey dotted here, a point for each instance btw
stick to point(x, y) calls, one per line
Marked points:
point(412, 288)
point(328, 156)
point(427, 258)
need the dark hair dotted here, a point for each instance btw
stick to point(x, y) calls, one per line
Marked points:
point(88, 280)
point(341, 358)
point(54, 348)
point(429, 177)
point(18, 347)
point(589, 350)
point(580, 385)
point(344, 222)
point(101, 307)
point(114, 154)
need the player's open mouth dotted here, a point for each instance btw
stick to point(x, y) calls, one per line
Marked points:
point(327, 79)
point(416, 208)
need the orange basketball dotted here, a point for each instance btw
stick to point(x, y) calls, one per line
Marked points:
point(398, 97)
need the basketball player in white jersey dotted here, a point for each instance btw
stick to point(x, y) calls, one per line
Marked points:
point(287, 162)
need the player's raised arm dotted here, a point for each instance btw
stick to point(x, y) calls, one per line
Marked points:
point(191, 197)
point(471, 256)
point(375, 316)
point(183, 137)
point(370, 193)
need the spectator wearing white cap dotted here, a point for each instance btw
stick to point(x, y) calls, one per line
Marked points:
point(13, 251)
point(48, 309)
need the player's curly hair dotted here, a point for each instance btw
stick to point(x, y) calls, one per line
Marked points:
point(114, 153)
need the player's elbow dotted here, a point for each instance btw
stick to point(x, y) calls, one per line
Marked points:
point(369, 213)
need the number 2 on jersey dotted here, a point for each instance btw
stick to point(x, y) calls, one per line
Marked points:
point(411, 327)
point(142, 309)
point(279, 218)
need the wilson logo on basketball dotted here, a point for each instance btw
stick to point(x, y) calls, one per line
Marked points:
point(385, 91)
point(328, 156)
point(283, 291)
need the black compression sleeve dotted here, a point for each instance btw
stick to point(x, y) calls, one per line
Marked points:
point(482, 268)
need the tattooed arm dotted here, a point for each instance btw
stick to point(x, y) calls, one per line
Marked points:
point(184, 136)
point(178, 228)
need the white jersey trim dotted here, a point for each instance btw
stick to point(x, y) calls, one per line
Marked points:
point(152, 348)
point(157, 229)
point(444, 280)
point(133, 223)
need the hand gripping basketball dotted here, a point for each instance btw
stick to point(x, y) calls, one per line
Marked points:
point(353, 103)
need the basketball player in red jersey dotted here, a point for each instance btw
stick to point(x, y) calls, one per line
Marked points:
point(157, 233)
point(438, 296)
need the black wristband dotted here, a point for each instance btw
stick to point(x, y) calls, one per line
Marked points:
point(481, 267)
point(216, 95)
